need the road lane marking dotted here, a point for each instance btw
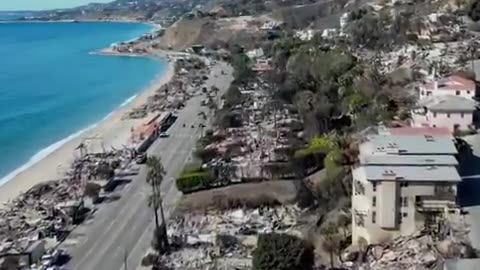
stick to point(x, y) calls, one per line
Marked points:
point(170, 162)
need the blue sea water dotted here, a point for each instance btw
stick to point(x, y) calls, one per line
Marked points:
point(52, 86)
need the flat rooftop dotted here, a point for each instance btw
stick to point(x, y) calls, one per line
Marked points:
point(417, 131)
point(447, 103)
point(408, 145)
point(412, 160)
point(409, 173)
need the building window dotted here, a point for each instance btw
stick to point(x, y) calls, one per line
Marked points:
point(374, 217)
point(374, 201)
point(462, 115)
point(374, 185)
point(359, 188)
point(404, 201)
point(359, 218)
point(422, 93)
point(448, 115)
point(403, 184)
point(401, 216)
point(457, 93)
point(468, 92)
point(434, 114)
point(429, 93)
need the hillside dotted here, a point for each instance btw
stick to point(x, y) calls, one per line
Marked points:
point(318, 15)
point(211, 32)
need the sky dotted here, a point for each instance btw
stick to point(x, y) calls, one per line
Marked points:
point(44, 4)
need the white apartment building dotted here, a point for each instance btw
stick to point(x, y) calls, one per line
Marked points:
point(402, 183)
point(453, 85)
point(452, 112)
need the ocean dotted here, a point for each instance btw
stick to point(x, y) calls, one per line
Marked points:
point(52, 87)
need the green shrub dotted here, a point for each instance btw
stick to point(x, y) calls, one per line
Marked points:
point(282, 252)
point(332, 162)
point(317, 145)
point(241, 65)
point(232, 97)
point(193, 181)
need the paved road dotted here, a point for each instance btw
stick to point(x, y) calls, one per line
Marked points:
point(125, 226)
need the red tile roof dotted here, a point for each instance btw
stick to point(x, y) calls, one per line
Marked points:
point(453, 82)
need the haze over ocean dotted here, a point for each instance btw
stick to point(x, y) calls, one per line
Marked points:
point(51, 86)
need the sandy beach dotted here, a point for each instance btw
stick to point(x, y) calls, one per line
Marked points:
point(111, 132)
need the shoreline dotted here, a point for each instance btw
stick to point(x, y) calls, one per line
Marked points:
point(113, 129)
point(149, 23)
point(75, 21)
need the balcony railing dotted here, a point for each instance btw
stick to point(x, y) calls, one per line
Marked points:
point(437, 202)
point(360, 217)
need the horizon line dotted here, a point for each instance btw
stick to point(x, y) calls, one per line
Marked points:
point(52, 9)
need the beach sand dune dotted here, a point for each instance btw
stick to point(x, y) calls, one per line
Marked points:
point(110, 132)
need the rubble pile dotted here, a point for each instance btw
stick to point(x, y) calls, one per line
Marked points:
point(440, 41)
point(49, 209)
point(226, 238)
point(408, 252)
point(190, 75)
point(417, 251)
point(445, 57)
point(36, 214)
point(139, 46)
point(261, 138)
point(100, 165)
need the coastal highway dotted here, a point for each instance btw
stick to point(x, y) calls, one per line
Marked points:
point(123, 228)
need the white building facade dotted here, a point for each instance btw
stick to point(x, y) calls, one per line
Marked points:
point(401, 182)
point(452, 112)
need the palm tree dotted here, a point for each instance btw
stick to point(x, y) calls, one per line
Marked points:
point(472, 49)
point(155, 175)
point(343, 222)
point(331, 242)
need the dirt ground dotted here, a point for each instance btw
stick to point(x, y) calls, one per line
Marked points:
point(248, 195)
point(209, 32)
